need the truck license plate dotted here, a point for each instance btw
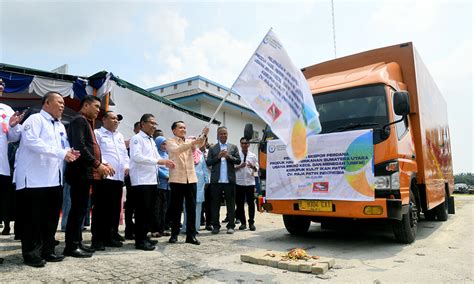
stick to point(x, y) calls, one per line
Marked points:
point(315, 205)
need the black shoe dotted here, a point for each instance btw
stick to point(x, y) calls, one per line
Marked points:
point(243, 227)
point(208, 228)
point(39, 262)
point(145, 246)
point(56, 243)
point(215, 231)
point(87, 249)
point(237, 221)
point(113, 243)
point(193, 241)
point(129, 236)
point(1, 260)
point(226, 220)
point(118, 237)
point(79, 253)
point(53, 257)
point(97, 246)
point(173, 239)
point(252, 227)
point(151, 242)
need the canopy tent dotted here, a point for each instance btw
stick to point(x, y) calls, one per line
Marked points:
point(24, 88)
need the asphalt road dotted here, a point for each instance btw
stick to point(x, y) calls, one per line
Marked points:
point(443, 252)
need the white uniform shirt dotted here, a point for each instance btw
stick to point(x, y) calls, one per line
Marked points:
point(40, 157)
point(244, 176)
point(11, 135)
point(114, 152)
point(144, 159)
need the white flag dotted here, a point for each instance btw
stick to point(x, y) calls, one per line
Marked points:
point(278, 92)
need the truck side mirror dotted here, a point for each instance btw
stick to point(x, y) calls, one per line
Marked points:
point(248, 131)
point(401, 103)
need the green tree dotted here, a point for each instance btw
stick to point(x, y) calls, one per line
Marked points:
point(467, 178)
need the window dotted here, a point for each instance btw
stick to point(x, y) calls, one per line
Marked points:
point(207, 84)
point(175, 86)
point(189, 83)
point(218, 89)
point(162, 90)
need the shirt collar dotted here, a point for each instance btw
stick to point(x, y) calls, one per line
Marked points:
point(104, 130)
point(47, 115)
point(144, 135)
point(222, 144)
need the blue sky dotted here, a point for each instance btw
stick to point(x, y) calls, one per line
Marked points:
point(150, 43)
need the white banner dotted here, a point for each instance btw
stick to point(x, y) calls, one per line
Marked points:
point(339, 167)
point(278, 92)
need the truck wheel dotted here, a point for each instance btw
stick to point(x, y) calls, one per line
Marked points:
point(405, 229)
point(442, 210)
point(430, 215)
point(296, 225)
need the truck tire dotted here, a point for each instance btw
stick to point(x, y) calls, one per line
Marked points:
point(430, 215)
point(405, 229)
point(296, 225)
point(442, 210)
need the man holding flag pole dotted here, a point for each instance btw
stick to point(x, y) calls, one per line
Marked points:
point(278, 92)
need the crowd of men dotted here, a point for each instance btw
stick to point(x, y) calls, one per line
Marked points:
point(161, 175)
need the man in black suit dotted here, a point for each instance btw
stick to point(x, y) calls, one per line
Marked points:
point(82, 173)
point(222, 158)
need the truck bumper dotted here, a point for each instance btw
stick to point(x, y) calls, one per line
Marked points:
point(386, 209)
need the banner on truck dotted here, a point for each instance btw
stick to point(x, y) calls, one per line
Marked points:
point(339, 166)
point(278, 92)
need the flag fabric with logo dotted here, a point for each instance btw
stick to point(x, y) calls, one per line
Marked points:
point(278, 92)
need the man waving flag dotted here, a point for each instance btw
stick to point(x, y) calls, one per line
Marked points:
point(278, 92)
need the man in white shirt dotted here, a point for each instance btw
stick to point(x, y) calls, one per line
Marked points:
point(144, 161)
point(107, 195)
point(39, 175)
point(10, 132)
point(245, 185)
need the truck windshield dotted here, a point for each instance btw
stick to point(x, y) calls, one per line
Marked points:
point(356, 108)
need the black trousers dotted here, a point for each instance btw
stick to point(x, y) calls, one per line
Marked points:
point(229, 196)
point(40, 216)
point(183, 192)
point(145, 195)
point(159, 211)
point(207, 208)
point(129, 208)
point(7, 200)
point(106, 200)
point(242, 194)
point(79, 206)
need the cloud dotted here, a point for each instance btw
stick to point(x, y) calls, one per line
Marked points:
point(60, 27)
point(406, 15)
point(167, 27)
point(213, 54)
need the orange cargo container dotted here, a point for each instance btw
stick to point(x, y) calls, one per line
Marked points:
point(412, 152)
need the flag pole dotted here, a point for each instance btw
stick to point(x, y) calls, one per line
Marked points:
point(230, 90)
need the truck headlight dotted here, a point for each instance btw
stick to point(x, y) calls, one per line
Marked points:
point(382, 182)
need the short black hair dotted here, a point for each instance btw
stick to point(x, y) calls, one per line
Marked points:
point(136, 124)
point(88, 99)
point(244, 139)
point(221, 127)
point(175, 124)
point(146, 117)
point(47, 96)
